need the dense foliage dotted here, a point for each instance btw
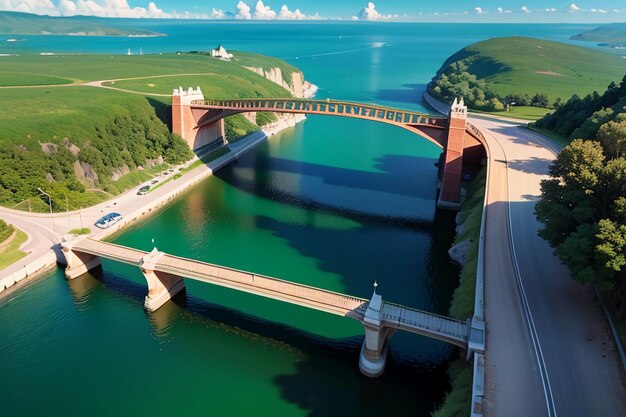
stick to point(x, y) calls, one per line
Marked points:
point(456, 81)
point(518, 71)
point(582, 117)
point(65, 170)
point(583, 205)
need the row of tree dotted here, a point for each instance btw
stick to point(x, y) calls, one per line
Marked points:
point(583, 205)
point(457, 81)
point(126, 141)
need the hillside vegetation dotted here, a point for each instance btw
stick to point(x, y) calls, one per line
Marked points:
point(16, 23)
point(613, 34)
point(523, 72)
point(583, 205)
point(91, 143)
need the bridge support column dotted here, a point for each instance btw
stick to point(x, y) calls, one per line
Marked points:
point(78, 263)
point(450, 190)
point(161, 285)
point(373, 357)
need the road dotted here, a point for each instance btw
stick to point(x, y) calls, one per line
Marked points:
point(44, 231)
point(582, 375)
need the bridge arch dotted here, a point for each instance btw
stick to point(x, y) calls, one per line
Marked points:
point(198, 120)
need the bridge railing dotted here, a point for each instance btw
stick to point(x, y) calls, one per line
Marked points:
point(288, 288)
point(328, 106)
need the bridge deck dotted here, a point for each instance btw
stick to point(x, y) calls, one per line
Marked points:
point(395, 316)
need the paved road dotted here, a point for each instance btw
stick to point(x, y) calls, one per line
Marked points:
point(583, 372)
point(44, 230)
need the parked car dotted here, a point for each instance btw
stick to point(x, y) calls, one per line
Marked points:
point(154, 181)
point(143, 190)
point(108, 220)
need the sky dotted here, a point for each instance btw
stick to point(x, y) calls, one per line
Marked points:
point(492, 11)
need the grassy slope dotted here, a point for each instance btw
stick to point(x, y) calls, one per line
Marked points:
point(30, 116)
point(11, 253)
point(458, 399)
point(511, 66)
point(16, 23)
point(40, 114)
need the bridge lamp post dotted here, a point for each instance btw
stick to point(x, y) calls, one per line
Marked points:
point(50, 203)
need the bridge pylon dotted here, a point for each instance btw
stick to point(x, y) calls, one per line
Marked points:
point(162, 286)
point(373, 356)
point(78, 263)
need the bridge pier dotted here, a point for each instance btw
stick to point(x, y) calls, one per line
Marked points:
point(162, 286)
point(373, 356)
point(78, 263)
point(450, 190)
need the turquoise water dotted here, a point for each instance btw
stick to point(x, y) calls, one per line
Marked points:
point(333, 203)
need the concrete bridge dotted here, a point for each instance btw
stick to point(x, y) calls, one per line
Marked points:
point(164, 274)
point(201, 122)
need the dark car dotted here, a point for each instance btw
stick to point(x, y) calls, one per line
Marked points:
point(143, 190)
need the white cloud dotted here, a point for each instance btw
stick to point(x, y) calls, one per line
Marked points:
point(597, 10)
point(370, 13)
point(218, 14)
point(572, 8)
point(263, 12)
point(286, 14)
point(551, 10)
point(243, 11)
point(478, 10)
point(525, 9)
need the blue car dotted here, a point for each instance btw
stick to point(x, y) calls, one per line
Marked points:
point(108, 220)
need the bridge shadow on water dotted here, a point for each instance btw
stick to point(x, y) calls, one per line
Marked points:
point(326, 368)
point(343, 191)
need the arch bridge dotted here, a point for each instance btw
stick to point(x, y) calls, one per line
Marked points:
point(201, 122)
point(164, 274)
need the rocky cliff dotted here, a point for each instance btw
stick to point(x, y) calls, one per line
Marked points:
point(275, 74)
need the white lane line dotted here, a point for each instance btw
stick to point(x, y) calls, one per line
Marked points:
point(545, 380)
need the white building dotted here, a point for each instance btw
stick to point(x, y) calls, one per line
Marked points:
point(221, 53)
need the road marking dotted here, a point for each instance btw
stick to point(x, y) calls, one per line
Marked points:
point(545, 380)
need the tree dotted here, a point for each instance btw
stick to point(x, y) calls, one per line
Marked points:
point(612, 136)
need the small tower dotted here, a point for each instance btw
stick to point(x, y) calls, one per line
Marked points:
point(183, 122)
point(450, 190)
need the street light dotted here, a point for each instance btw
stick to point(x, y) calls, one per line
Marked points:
point(50, 203)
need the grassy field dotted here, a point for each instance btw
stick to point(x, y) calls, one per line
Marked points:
point(6, 230)
point(85, 68)
point(519, 65)
point(11, 253)
point(74, 120)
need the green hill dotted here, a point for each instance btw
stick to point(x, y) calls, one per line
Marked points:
point(613, 34)
point(523, 71)
point(16, 23)
point(89, 143)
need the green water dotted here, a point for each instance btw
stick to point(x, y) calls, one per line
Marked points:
point(304, 206)
point(334, 203)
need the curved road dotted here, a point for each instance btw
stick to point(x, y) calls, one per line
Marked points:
point(565, 363)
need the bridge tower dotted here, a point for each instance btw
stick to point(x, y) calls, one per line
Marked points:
point(185, 124)
point(375, 347)
point(450, 190)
